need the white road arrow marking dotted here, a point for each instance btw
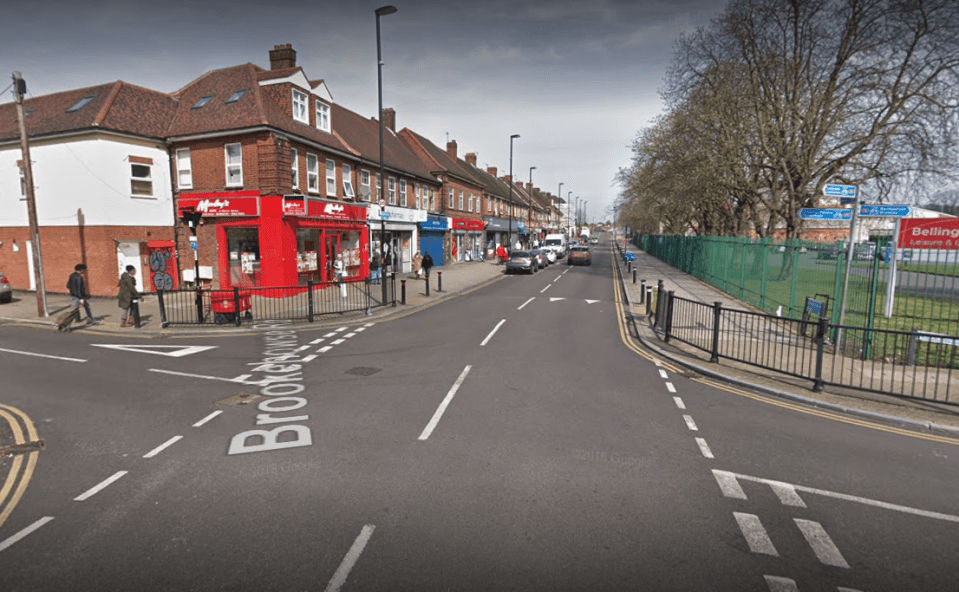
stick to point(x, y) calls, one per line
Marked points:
point(173, 351)
point(592, 301)
point(555, 299)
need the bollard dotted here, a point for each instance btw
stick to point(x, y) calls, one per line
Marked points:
point(393, 282)
point(402, 291)
point(642, 292)
point(427, 284)
point(439, 282)
point(135, 304)
point(649, 301)
point(634, 275)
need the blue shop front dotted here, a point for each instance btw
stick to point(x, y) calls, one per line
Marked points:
point(433, 238)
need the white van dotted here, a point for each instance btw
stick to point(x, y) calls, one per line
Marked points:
point(556, 243)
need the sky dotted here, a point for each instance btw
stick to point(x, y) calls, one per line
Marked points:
point(576, 80)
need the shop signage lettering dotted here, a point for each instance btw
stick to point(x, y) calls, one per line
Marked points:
point(395, 214)
point(221, 205)
point(464, 224)
point(325, 209)
point(294, 205)
point(333, 209)
point(929, 233)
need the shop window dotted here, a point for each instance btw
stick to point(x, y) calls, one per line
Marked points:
point(307, 253)
point(243, 251)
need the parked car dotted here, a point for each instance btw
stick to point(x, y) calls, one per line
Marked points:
point(579, 255)
point(522, 261)
point(540, 257)
point(550, 255)
point(6, 292)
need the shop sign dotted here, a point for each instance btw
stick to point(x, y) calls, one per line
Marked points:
point(434, 224)
point(929, 233)
point(294, 205)
point(395, 214)
point(222, 203)
point(339, 211)
point(465, 224)
point(493, 224)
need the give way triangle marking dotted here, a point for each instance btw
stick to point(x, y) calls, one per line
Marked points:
point(174, 351)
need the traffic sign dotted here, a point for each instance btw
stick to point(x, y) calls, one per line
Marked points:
point(884, 211)
point(825, 214)
point(833, 190)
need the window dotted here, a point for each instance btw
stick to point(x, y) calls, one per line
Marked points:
point(403, 192)
point(236, 96)
point(202, 102)
point(295, 168)
point(142, 180)
point(365, 191)
point(81, 103)
point(234, 164)
point(432, 203)
point(330, 178)
point(348, 182)
point(312, 173)
point(489, 204)
point(378, 181)
point(23, 181)
point(451, 199)
point(416, 194)
point(391, 191)
point(322, 116)
point(300, 102)
point(461, 200)
point(184, 169)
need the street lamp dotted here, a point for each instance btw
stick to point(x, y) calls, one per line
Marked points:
point(559, 194)
point(529, 209)
point(382, 11)
point(576, 218)
point(569, 213)
point(509, 235)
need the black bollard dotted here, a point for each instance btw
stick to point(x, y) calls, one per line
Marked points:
point(135, 304)
point(439, 282)
point(634, 275)
point(427, 284)
point(403, 292)
point(642, 292)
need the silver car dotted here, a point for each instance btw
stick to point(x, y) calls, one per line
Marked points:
point(6, 292)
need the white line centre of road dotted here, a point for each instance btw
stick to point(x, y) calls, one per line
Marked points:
point(546, 288)
point(23, 353)
point(787, 495)
point(704, 448)
point(663, 374)
point(679, 402)
point(756, 537)
point(207, 418)
point(343, 571)
point(820, 542)
point(729, 485)
point(690, 423)
point(777, 584)
point(525, 303)
point(13, 539)
point(161, 447)
point(670, 387)
point(442, 408)
point(491, 333)
point(103, 485)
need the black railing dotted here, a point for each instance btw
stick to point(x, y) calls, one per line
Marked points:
point(305, 303)
point(902, 363)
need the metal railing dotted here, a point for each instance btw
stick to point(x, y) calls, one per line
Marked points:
point(911, 364)
point(295, 303)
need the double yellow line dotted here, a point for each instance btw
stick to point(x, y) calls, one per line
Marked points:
point(16, 481)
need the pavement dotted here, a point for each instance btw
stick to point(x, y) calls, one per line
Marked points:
point(465, 277)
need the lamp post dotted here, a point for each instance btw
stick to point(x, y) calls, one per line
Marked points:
point(529, 209)
point(509, 235)
point(569, 213)
point(381, 11)
point(576, 218)
point(559, 194)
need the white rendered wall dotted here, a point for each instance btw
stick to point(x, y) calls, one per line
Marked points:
point(89, 174)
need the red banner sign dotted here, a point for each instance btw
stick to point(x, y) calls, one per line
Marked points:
point(339, 211)
point(466, 224)
point(929, 233)
point(294, 205)
point(221, 203)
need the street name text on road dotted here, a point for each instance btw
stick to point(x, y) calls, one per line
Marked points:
point(825, 214)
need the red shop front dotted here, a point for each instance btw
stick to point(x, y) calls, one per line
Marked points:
point(273, 241)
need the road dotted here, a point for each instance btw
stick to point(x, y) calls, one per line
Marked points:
point(507, 439)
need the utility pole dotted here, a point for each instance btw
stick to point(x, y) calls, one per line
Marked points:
point(20, 89)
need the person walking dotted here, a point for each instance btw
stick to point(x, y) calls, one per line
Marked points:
point(417, 265)
point(427, 263)
point(128, 293)
point(339, 270)
point(77, 285)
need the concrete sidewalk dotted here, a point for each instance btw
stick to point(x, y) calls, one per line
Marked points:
point(456, 279)
point(916, 414)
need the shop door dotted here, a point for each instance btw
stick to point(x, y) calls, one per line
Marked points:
point(128, 253)
point(332, 244)
point(433, 244)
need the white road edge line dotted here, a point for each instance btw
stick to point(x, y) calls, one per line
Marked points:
point(188, 375)
point(756, 537)
point(525, 303)
point(491, 333)
point(207, 418)
point(690, 423)
point(704, 448)
point(23, 353)
point(13, 539)
point(160, 448)
point(343, 571)
point(96, 489)
point(777, 584)
point(821, 544)
point(442, 408)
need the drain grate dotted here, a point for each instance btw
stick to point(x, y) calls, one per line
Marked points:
point(240, 399)
point(363, 371)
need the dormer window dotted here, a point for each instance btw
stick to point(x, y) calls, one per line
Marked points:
point(322, 116)
point(300, 102)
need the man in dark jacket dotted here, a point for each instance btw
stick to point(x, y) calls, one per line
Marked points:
point(427, 263)
point(128, 296)
point(77, 285)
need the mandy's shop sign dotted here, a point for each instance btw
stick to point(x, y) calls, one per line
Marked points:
point(294, 205)
point(929, 233)
point(221, 203)
point(336, 210)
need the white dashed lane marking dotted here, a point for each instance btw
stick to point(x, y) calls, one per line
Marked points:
point(756, 537)
point(325, 349)
point(663, 373)
point(670, 387)
point(821, 544)
point(777, 584)
point(704, 448)
point(13, 539)
point(207, 418)
point(100, 487)
point(690, 423)
point(162, 447)
point(679, 402)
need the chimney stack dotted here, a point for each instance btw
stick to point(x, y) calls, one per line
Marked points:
point(471, 158)
point(282, 56)
point(529, 188)
point(491, 170)
point(389, 118)
point(451, 149)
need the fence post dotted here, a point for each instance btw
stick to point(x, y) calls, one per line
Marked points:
point(309, 301)
point(649, 300)
point(642, 292)
point(913, 343)
point(717, 314)
point(369, 295)
point(199, 303)
point(393, 282)
point(403, 292)
point(163, 322)
point(660, 297)
point(822, 329)
point(236, 306)
point(669, 314)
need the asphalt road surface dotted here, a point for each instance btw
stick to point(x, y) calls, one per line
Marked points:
point(507, 439)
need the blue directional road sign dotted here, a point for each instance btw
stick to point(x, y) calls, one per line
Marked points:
point(833, 190)
point(884, 211)
point(825, 214)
